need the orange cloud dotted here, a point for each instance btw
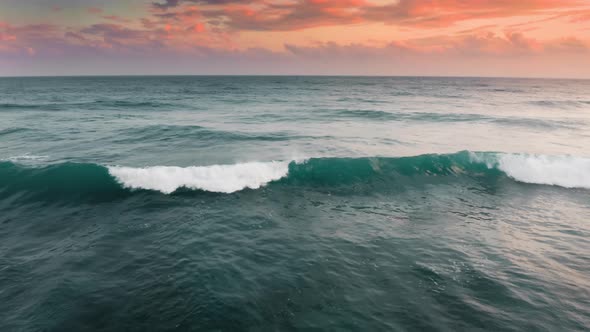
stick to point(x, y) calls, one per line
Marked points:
point(199, 27)
point(308, 30)
point(273, 15)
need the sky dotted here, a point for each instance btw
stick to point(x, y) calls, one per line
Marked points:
point(523, 38)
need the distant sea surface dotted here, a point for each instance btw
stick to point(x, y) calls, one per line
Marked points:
point(294, 203)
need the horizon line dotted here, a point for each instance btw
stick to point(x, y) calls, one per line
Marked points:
point(293, 75)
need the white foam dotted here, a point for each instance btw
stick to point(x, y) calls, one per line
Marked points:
point(563, 171)
point(216, 178)
point(26, 157)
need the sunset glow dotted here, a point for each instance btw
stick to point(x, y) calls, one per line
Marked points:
point(358, 37)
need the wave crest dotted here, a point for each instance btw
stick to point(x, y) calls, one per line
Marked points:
point(216, 178)
point(563, 171)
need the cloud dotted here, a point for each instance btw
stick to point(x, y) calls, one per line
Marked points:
point(581, 17)
point(281, 15)
point(116, 18)
point(188, 38)
point(228, 33)
point(396, 58)
point(7, 37)
point(483, 44)
point(94, 10)
point(167, 4)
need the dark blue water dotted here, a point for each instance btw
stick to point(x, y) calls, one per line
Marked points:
point(294, 203)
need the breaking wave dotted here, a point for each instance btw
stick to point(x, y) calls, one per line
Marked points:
point(563, 171)
point(216, 178)
point(370, 173)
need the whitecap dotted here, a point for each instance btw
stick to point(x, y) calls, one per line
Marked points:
point(215, 178)
point(26, 157)
point(563, 171)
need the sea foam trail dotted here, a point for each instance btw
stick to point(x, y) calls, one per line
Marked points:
point(216, 178)
point(563, 171)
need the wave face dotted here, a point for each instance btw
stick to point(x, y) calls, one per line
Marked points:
point(217, 178)
point(54, 182)
point(373, 173)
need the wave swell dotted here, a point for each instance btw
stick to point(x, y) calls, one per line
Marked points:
point(345, 173)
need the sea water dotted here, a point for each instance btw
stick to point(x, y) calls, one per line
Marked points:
point(284, 203)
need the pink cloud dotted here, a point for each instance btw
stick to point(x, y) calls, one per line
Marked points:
point(208, 29)
point(293, 15)
point(199, 27)
point(177, 37)
point(116, 18)
point(94, 10)
point(7, 37)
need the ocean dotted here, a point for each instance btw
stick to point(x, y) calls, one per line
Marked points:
point(294, 203)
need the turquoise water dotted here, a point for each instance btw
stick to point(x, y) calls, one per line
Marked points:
point(294, 203)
